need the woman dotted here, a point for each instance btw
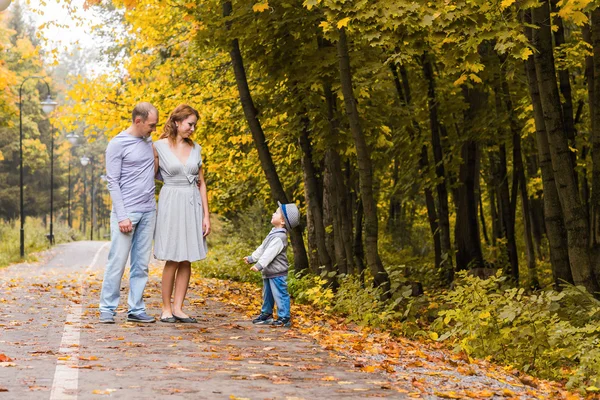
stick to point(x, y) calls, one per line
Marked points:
point(182, 222)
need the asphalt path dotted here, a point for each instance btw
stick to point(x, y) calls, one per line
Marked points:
point(53, 347)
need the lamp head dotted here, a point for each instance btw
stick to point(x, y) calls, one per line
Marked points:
point(73, 138)
point(48, 105)
point(85, 160)
point(4, 4)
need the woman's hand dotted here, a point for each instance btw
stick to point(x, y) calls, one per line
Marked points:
point(206, 226)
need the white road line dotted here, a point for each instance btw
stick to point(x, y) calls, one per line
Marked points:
point(66, 375)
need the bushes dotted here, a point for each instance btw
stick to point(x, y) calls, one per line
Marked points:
point(549, 334)
point(226, 249)
point(35, 239)
point(554, 335)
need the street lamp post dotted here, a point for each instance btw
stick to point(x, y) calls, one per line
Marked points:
point(72, 138)
point(85, 160)
point(48, 106)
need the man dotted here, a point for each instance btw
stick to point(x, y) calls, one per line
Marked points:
point(130, 176)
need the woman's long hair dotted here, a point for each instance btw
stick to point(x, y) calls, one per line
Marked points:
point(177, 116)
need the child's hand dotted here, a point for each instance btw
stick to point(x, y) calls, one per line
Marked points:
point(246, 260)
point(253, 268)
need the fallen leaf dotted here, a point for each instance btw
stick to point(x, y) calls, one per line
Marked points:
point(447, 395)
point(329, 378)
point(105, 391)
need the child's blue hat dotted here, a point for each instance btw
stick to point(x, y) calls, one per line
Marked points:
point(291, 215)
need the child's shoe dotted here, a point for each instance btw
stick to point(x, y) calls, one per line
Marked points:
point(263, 319)
point(285, 322)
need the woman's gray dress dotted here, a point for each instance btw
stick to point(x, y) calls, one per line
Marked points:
point(178, 235)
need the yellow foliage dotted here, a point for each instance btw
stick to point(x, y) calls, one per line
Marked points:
point(260, 7)
point(343, 22)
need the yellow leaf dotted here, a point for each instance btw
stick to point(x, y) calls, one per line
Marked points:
point(525, 53)
point(506, 3)
point(433, 335)
point(593, 389)
point(343, 22)
point(479, 394)
point(447, 395)
point(309, 4)
point(578, 18)
point(369, 368)
point(260, 7)
point(461, 80)
point(475, 78)
point(105, 391)
point(324, 24)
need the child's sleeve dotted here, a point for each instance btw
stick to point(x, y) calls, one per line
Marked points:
point(257, 253)
point(273, 248)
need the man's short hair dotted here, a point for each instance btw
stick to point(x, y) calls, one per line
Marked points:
point(142, 110)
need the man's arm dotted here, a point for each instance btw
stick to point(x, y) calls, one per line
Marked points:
point(114, 162)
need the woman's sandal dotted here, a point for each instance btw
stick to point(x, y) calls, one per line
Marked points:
point(169, 320)
point(188, 320)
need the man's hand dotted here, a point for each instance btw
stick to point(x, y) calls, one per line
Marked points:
point(253, 268)
point(125, 226)
point(246, 260)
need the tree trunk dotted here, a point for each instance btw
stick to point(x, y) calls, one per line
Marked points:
point(447, 269)
point(592, 211)
point(564, 174)
point(595, 139)
point(404, 94)
point(564, 83)
point(395, 205)
point(496, 227)
point(365, 171)
point(537, 205)
point(337, 191)
point(521, 182)
point(313, 253)
point(431, 212)
point(358, 249)
point(311, 189)
point(555, 229)
point(482, 218)
point(506, 204)
point(554, 221)
point(266, 161)
point(468, 245)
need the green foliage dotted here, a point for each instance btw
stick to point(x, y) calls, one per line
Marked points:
point(226, 251)
point(311, 289)
point(35, 239)
point(550, 334)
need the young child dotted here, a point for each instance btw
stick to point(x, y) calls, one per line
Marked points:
point(271, 260)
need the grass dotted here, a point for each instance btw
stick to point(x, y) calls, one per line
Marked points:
point(35, 239)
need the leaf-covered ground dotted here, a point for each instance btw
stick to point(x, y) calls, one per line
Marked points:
point(223, 356)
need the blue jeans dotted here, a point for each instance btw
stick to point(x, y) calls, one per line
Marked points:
point(275, 291)
point(139, 243)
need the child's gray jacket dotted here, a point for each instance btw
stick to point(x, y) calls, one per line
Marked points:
point(270, 257)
